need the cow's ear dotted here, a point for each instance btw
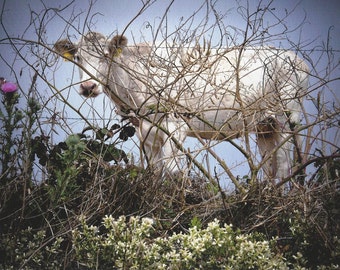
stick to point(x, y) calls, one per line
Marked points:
point(66, 48)
point(117, 44)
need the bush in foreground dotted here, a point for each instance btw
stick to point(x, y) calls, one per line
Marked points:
point(132, 245)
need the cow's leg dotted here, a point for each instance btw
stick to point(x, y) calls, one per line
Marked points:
point(293, 115)
point(266, 144)
point(283, 154)
point(173, 140)
point(273, 141)
point(267, 139)
point(293, 87)
point(151, 142)
point(160, 145)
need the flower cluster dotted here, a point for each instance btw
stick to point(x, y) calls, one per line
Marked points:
point(130, 244)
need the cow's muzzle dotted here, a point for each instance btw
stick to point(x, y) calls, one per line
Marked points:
point(89, 89)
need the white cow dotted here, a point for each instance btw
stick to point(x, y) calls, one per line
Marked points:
point(172, 92)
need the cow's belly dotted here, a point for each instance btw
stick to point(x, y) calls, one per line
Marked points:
point(221, 124)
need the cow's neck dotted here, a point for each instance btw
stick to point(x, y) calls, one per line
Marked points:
point(127, 92)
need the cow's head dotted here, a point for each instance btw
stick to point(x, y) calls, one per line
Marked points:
point(94, 55)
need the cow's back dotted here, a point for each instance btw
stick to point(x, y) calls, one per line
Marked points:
point(242, 87)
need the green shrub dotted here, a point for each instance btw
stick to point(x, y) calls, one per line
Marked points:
point(28, 249)
point(132, 245)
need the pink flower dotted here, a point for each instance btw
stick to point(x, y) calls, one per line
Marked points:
point(8, 87)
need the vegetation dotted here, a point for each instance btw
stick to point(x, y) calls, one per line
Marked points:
point(90, 214)
point(81, 202)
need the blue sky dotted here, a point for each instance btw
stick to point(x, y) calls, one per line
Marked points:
point(23, 19)
point(108, 16)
